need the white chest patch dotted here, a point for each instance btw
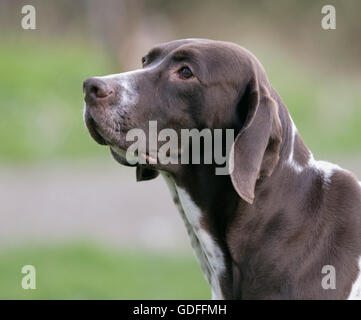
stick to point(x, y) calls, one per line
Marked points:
point(327, 169)
point(291, 161)
point(207, 252)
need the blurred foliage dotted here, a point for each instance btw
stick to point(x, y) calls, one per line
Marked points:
point(90, 272)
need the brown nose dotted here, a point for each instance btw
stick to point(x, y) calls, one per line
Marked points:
point(95, 89)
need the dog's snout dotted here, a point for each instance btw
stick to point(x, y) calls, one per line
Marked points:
point(95, 89)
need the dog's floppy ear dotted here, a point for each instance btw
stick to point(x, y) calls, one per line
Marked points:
point(255, 152)
point(144, 173)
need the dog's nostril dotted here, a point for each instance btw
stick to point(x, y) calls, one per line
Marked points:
point(96, 88)
point(98, 91)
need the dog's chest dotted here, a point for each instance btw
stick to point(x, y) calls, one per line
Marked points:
point(208, 253)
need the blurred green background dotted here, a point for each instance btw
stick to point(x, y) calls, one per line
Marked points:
point(46, 153)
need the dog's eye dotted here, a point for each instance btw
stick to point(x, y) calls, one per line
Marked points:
point(185, 73)
point(144, 59)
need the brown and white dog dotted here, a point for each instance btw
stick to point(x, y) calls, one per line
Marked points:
point(267, 230)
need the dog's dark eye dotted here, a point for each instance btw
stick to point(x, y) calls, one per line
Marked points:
point(185, 73)
point(144, 59)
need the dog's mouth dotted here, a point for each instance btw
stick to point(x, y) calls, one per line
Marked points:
point(94, 129)
point(119, 154)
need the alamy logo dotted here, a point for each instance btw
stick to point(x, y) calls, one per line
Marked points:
point(329, 19)
point(329, 280)
point(29, 280)
point(29, 19)
point(194, 146)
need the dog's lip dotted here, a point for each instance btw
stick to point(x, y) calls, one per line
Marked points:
point(120, 156)
point(94, 130)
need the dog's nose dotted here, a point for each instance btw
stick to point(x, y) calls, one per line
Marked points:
point(95, 89)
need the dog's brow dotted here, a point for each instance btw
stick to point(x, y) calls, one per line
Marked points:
point(152, 54)
point(181, 55)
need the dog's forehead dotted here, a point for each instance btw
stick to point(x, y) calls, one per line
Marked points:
point(205, 46)
point(167, 47)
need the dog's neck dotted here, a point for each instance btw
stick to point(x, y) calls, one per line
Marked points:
point(212, 210)
point(210, 255)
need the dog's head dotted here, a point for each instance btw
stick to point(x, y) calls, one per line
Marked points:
point(187, 84)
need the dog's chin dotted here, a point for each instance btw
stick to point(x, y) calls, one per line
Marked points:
point(119, 156)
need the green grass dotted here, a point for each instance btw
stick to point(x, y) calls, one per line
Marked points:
point(41, 99)
point(90, 272)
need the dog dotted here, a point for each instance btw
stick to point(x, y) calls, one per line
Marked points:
point(281, 225)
